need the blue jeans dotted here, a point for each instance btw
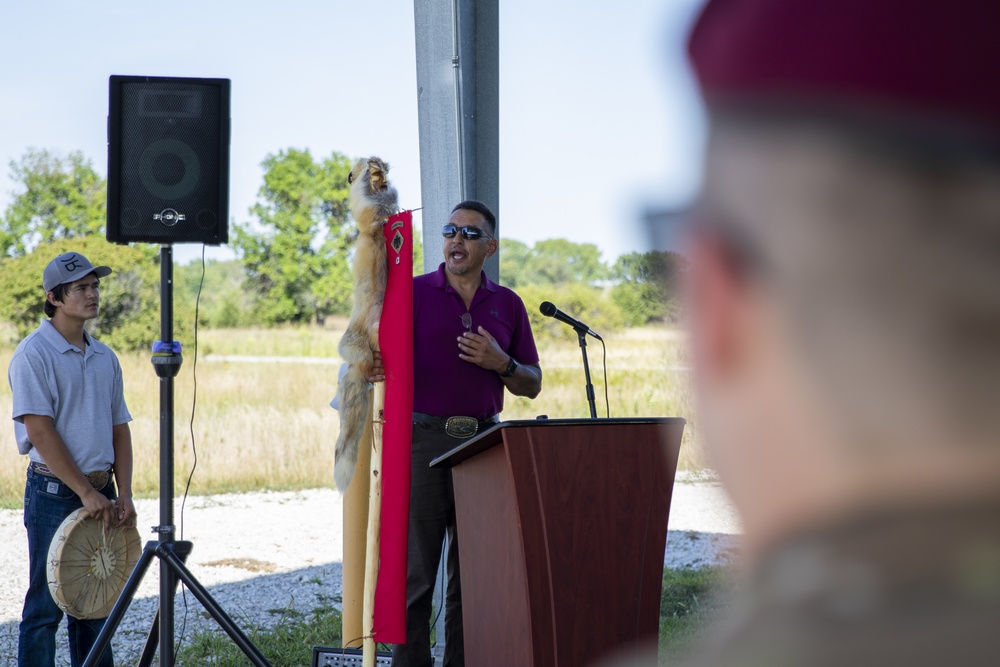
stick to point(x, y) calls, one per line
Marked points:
point(47, 501)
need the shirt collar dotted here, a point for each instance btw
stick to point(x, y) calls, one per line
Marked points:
point(56, 340)
point(440, 280)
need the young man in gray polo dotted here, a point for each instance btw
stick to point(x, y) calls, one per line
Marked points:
point(70, 418)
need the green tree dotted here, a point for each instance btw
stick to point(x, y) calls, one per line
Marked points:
point(646, 290)
point(130, 296)
point(62, 198)
point(297, 258)
point(551, 262)
point(223, 303)
point(514, 262)
point(584, 302)
point(418, 251)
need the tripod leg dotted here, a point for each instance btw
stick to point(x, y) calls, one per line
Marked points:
point(183, 550)
point(213, 608)
point(152, 641)
point(121, 606)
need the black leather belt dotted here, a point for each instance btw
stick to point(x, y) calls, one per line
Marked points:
point(456, 427)
point(98, 479)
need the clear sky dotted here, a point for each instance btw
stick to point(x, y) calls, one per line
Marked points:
point(598, 118)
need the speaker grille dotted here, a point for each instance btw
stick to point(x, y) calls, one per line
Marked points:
point(168, 160)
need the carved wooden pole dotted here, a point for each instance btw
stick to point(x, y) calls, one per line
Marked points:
point(374, 516)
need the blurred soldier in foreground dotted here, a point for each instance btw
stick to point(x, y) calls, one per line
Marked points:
point(844, 308)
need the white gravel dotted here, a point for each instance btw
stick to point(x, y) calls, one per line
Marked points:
point(261, 553)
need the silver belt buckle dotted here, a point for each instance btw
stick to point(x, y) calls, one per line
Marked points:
point(461, 427)
point(99, 479)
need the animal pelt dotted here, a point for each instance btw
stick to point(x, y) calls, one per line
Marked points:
point(373, 199)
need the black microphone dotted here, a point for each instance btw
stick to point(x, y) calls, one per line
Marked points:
point(549, 310)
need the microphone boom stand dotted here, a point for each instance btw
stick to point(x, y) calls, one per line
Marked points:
point(167, 364)
point(582, 335)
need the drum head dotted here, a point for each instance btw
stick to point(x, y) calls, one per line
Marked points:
point(87, 569)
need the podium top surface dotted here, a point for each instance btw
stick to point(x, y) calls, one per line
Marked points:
point(491, 436)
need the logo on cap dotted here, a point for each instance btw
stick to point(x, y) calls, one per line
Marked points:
point(72, 263)
point(68, 267)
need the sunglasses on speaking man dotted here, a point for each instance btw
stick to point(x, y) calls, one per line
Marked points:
point(469, 233)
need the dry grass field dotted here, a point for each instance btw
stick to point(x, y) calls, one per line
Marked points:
point(268, 424)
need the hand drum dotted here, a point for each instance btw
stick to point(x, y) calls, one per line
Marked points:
point(88, 568)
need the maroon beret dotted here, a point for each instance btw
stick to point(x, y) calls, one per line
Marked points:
point(934, 59)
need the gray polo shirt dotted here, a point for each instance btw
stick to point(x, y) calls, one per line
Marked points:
point(81, 390)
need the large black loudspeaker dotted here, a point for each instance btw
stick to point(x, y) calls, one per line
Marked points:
point(168, 160)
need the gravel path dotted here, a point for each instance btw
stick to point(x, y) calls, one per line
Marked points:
point(261, 553)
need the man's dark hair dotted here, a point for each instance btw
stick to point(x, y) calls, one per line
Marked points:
point(59, 294)
point(482, 209)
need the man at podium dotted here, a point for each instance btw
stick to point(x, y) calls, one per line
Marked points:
point(471, 340)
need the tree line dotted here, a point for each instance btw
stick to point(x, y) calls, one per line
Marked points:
point(293, 258)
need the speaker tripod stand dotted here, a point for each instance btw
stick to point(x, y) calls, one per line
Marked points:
point(172, 554)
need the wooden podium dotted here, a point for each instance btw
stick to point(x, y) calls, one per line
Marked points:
point(562, 526)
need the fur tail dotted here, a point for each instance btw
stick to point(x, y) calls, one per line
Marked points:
point(354, 406)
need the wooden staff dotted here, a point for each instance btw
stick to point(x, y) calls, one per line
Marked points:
point(355, 550)
point(374, 520)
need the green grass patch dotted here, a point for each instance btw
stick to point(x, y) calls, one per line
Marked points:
point(690, 600)
point(288, 642)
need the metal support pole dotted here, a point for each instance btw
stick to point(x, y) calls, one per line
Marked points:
point(458, 111)
point(167, 361)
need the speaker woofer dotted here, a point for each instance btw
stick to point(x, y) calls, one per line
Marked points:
point(169, 169)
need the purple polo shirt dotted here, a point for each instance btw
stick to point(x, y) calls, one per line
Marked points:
point(443, 384)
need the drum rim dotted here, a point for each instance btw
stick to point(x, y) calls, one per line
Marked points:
point(132, 545)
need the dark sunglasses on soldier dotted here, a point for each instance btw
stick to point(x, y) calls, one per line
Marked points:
point(469, 233)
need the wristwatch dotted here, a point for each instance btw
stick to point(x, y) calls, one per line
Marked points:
point(511, 367)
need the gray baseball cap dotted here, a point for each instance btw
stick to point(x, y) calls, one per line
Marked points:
point(70, 267)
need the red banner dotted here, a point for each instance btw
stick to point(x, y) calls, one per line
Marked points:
point(395, 339)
